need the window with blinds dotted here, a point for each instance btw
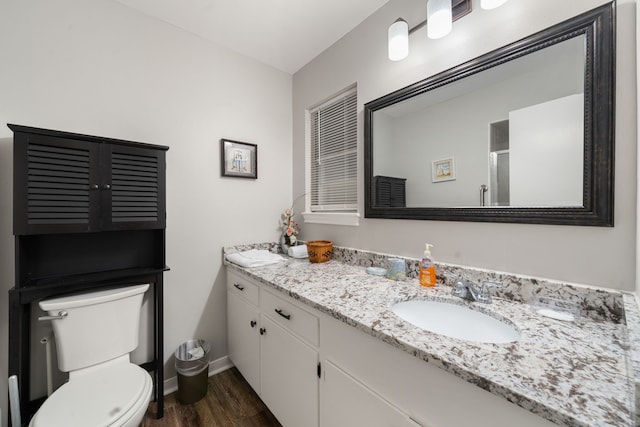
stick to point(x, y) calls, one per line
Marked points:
point(334, 154)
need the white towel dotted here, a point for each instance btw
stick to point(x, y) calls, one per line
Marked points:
point(298, 251)
point(254, 258)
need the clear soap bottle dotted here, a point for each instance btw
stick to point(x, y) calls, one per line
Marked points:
point(427, 269)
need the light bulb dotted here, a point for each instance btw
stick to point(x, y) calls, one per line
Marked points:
point(439, 18)
point(398, 40)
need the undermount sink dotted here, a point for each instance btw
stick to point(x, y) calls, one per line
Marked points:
point(456, 321)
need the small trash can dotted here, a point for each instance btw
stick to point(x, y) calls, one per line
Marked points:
point(192, 367)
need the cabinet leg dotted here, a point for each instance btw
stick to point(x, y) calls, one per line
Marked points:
point(159, 346)
point(19, 348)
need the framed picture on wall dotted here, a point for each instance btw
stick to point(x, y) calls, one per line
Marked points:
point(443, 170)
point(239, 159)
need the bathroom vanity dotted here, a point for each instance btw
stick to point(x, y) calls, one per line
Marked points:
point(324, 337)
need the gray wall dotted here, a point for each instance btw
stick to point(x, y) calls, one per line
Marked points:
point(596, 256)
point(98, 67)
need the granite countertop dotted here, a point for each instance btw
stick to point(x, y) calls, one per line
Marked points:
point(579, 373)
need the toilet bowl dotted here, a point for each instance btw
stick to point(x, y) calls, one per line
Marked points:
point(93, 342)
point(115, 395)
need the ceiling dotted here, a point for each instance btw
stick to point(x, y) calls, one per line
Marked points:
point(285, 34)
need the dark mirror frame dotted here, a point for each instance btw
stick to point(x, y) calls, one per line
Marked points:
point(598, 25)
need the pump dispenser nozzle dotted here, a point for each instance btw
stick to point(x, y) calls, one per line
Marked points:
point(427, 249)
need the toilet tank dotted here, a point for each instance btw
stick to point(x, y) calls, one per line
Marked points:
point(99, 326)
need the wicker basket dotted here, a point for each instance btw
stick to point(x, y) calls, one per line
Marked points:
point(320, 250)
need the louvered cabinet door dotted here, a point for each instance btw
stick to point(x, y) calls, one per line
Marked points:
point(55, 185)
point(132, 188)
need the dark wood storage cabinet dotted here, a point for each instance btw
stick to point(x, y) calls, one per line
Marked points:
point(389, 192)
point(75, 183)
point(89, 214)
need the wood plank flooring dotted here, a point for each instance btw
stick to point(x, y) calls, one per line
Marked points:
point(230, 402)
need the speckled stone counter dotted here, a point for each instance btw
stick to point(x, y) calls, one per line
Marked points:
point(581, 373)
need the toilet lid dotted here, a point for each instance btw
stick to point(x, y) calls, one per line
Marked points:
point(96, 399)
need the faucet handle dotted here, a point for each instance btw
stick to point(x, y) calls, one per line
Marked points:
point(455, 277)
point(458, 290)
point(450, 275)
point(485, 292)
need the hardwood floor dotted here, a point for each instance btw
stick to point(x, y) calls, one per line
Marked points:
point(230, 401)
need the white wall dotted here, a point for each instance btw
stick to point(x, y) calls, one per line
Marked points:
point(592, 255)
point(99, 68)
point(637, 119)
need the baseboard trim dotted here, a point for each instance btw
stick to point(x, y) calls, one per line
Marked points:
point(215, 367)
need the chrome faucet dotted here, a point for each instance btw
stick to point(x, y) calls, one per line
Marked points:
point(469, 291)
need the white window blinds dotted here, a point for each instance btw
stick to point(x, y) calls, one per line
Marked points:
point(334, 155)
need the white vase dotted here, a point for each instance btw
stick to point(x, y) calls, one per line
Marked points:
point(284, 247)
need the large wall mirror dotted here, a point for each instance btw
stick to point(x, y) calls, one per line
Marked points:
point(522, 134)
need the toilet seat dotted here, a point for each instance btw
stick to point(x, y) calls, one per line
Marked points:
point(110, 396)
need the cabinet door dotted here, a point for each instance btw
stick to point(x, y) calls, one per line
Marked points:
point(65, 185)
point(243, 341)
point(345, 402)
point(132, 187)
point(288, 376)
point(55, 185)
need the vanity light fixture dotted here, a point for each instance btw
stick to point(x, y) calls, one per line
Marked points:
point(398, 40)
point(440, 17)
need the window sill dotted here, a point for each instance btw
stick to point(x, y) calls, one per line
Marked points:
point(332, 218)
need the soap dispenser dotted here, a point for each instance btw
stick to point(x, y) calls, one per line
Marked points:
point(427, 269)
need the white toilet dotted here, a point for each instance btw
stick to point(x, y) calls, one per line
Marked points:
point(93, 343)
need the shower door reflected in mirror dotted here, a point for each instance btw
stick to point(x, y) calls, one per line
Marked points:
point(499, 163)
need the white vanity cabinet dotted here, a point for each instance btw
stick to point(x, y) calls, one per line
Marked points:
point(423, 394)
point(289, 380)
point(288, 360)
point(346, 402)
point(242, 328)
point(273, 343)
point(363, 380)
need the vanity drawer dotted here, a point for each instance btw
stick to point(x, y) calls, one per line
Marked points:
point(291, 317)
point(241, 286)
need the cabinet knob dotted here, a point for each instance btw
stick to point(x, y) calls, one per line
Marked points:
point(106, 187)
point(263, 331)
point(94, 187)
point(253, 323)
